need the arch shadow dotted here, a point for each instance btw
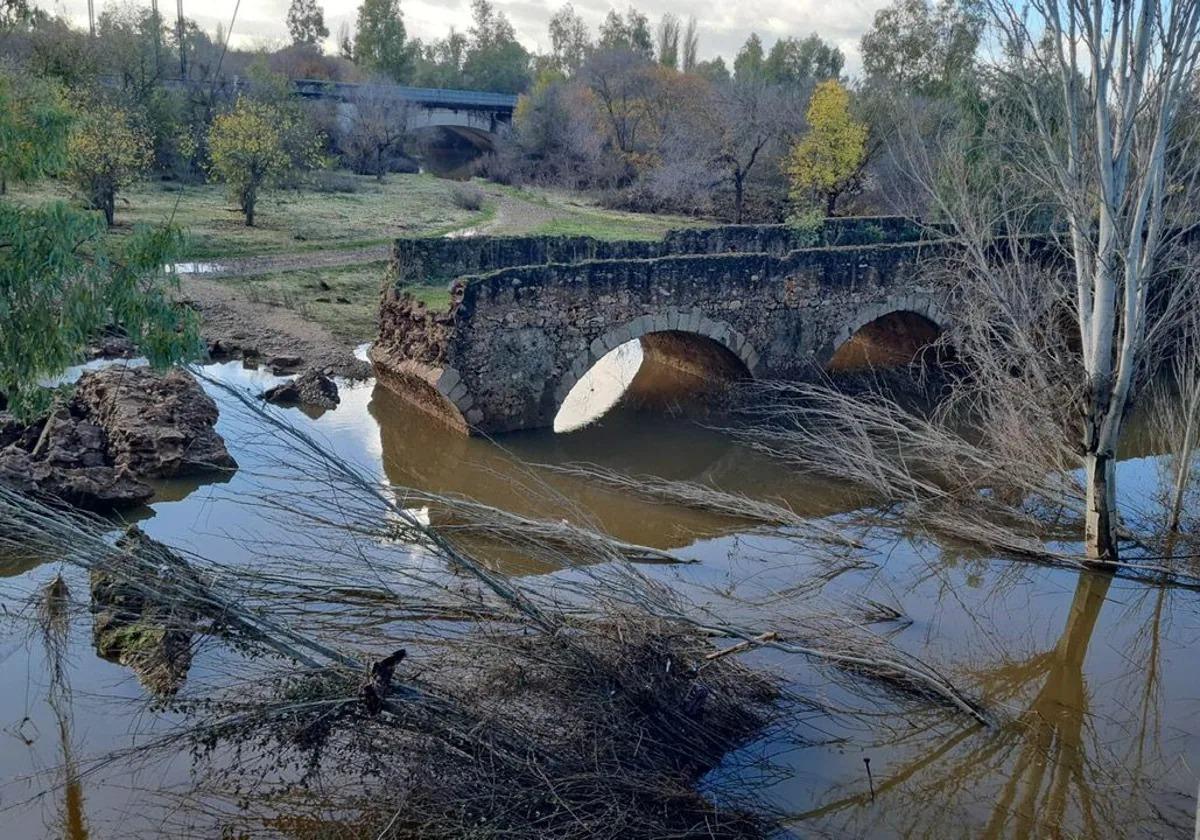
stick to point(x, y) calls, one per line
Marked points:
point(890, 333)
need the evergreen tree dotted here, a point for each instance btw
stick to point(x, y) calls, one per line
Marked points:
point(306, 22)
point(380, 41)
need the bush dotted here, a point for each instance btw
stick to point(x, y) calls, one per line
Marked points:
point(467, 197)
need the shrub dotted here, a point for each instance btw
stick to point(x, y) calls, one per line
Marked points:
point(328, 181)
point(467, 197)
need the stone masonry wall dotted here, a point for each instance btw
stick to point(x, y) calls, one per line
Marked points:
point(516, 339)
point(439, 260)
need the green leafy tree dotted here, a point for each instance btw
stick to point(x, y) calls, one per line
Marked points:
point(714, 70)
point(921, 47)
point(130, 46)
point(34, 123)
point(668, 41)
point(380, 40)
point(62, 280)
point(630, 34)
point(248, 151)
point(750, 61)
point(827, 160)
point(495, 60)
point(440, 64)
point(14, 13)
point(108, 149)
point(796, 62)
point(569, 40)
point(306, 22)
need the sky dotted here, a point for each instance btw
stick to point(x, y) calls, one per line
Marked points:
point(723, 27)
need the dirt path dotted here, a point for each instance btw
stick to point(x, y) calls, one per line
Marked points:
point(270, 263)
point(277, 337)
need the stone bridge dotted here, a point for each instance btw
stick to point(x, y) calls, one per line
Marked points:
point(531, 315)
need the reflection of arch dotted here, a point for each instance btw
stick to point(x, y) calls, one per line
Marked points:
point(673, 321)
point(915, 317)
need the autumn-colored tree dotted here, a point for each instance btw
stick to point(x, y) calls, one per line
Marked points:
point(248, 151)
point(108, 149)
point(826, 162)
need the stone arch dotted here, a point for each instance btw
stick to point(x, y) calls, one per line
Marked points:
point(923, 305)
point(438, 390)
point(693, 322)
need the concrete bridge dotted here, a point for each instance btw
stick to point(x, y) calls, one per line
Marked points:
point(472, 113)
point(531, 315)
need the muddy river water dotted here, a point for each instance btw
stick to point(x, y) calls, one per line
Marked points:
point(1094, 680)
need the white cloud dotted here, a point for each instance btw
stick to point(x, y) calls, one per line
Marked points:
point(723, 29)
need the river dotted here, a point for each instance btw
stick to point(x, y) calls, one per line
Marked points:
point(1093, 678)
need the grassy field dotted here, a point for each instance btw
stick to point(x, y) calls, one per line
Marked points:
point(288, 221)
point(360, 214)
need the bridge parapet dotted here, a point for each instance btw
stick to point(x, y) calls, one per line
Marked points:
point(517, 338)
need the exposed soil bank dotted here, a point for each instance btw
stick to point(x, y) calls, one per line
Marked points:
point(279, 338)
point(122, 426)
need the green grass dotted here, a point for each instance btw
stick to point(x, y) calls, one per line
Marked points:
point(291, 221)
point(286, 221)
point(576, 215)
point(344, 299)
point(436, 298)
point(600, 228)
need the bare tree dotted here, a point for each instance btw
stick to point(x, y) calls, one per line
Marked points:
point(1100, 84)
point(376, 125)
point(691, 46)
point(751, 119)
point(668, 41)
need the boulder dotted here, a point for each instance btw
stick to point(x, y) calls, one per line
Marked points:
point(139, 619)
point(122, 426)
point(311, 388)
point(284, 364)
point(157, 425)
point(66, 456)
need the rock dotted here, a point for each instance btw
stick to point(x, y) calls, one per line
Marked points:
point(283, 364)
point(311, 388)
point(157, 425)
point(112, 347)
point(66, 456)
point(132, 624)
point(122, 426)
point(97, 488)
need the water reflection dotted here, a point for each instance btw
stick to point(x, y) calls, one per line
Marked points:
point(1093, 679)
point(1077, 754)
